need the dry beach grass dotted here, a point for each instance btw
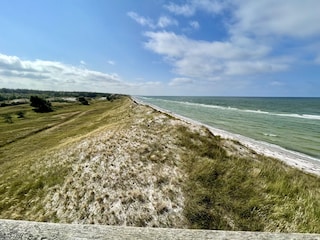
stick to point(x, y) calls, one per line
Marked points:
point(130, 175)
point(122, 163)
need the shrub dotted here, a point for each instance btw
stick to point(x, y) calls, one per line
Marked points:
point(20, 114)
point(40, 104)
point(83, 100)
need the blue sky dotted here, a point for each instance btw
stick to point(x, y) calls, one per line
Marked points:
point(160, 47)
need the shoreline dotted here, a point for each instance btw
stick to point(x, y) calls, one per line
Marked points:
point(294, 159)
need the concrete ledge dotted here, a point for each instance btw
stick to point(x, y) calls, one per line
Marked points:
point(16, 230)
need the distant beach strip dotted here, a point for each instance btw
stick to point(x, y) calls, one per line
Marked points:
point(295, 159)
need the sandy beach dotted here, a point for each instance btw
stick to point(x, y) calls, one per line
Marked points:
point(295, 159)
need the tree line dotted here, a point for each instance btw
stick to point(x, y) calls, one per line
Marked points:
point(11, 94)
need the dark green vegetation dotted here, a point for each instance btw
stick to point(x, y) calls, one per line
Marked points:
point(10, 94)
point(246, 193)
point(83, 100)
point(12, 97)
point(41, 105)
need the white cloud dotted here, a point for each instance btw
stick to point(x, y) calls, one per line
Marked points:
point(40, 74)
point(292, 18)
point(50, 73)
point(257, 35)
point(186, 9)
point(173, 45)
point(180, 81)
point(190, 7)
point(194, 24)
point(167, 43)
point(141, 20)
point(83, 62)
point(211, 60)
point(165, 21)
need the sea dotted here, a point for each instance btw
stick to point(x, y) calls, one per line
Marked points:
point(292, 123)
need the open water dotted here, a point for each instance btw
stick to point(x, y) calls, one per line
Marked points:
point(292, 123)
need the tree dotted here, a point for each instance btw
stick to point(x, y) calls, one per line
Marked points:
point(2, 98)
point(83, 100)
point(40, 104)
point(20, 114)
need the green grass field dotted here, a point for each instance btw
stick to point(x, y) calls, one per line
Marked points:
point(223, 190)
point(26, 140)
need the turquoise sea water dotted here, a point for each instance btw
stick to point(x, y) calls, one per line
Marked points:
point(292, 123)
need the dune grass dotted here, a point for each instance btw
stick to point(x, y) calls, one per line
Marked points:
point(250, 193)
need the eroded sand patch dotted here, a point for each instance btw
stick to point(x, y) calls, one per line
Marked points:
point(129, 176)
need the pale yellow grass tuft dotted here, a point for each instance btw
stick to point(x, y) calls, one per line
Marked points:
point(130, 176)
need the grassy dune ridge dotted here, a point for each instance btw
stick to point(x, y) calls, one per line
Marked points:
point(126, 164)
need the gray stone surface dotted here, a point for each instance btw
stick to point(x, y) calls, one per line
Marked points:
point(16, 230)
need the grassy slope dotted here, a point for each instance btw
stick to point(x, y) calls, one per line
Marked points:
point(22, 183)
point(223, 190)
point(246, 193)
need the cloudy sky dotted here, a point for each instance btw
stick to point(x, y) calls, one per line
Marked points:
point(162, 47)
